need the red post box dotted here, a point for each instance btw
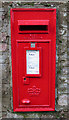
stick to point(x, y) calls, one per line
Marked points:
point(33, 46)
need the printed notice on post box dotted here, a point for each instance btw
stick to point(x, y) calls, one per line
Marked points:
point(32, 57)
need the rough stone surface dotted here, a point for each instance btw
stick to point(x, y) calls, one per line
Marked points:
point(5, 74)
point(61, 59)
point(0, 73)
point(6, 97)
point(62, 100)
point(0, 97)
point(12, 115)
point(41, 1)
point(0, 115)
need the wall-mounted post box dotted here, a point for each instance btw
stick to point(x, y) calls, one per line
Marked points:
point(33, 46)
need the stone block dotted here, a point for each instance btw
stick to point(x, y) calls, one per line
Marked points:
point(68, 18)
point(65, 71)
point(0, 97)
point(13, 115)
point(47, 116)
point(63, 57)
point(6, 91)
point(0, 90)
point(0, 104)
point(0, 115)
point(68, 79)
point(62, 88)
point(64, 63)
point(5, 28)
point(3, 47)
point(62, 101)
point(9, 29)
point(63, 7)
point(61, 108)
point(32, 115)
point(63, 115)
point(62, 77)
point(0, 28)
point(63, 39)
point(62, 19)
point(6, 104)
point(63, 32)
point(61, 1)
point(0, 35)
point(4, 37)
point(63, 50)
point(0, 19)
point(4, 59)
point(0, 4)
point(6, 74)
point(6, 97)
point(0, 73)
point(4, 114)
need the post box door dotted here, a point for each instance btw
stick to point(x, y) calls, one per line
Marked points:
point(34, 86)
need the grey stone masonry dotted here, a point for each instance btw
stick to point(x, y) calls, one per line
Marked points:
point(62, 65)
point(1, 11)
point(37, 1)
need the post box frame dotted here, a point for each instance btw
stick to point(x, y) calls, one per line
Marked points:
point(16, 106)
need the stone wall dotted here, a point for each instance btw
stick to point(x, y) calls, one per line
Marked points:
point(62, 66)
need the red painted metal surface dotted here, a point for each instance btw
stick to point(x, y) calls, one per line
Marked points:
point(33, 92)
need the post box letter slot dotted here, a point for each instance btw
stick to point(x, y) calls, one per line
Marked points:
point(33, 26)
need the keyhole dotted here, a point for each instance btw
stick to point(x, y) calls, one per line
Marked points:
point(24, 79)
